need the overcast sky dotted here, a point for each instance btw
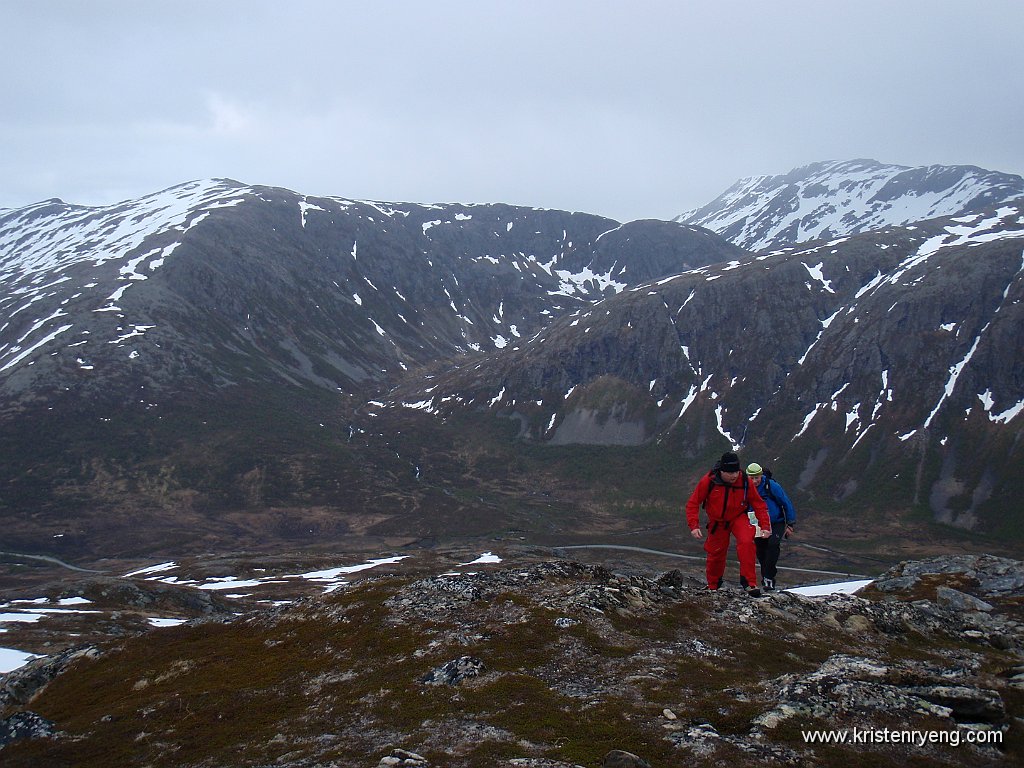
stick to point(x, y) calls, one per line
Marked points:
point(631, 110)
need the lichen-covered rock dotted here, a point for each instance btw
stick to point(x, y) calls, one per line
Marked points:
point(454, 671)
point(20, 685)
point(400, 758)
point(25, 725)
point(960, 601)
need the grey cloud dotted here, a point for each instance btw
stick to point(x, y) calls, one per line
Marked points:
point(629, 110)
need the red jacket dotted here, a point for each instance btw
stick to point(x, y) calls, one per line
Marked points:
point(724, 503)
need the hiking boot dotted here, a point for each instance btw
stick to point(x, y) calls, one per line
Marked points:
point(754, 592)
point(768, 585)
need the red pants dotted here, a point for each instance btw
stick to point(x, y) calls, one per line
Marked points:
point(717, 546)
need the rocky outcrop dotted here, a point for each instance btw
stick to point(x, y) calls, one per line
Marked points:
point(990, 576)
point(454, 671)
point(18, 687)
point(24, 725)
point(175, 599)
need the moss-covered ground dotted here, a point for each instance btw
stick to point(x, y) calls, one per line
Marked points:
point(339, 680)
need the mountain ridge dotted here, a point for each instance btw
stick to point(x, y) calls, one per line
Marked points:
point(561, 269)
point(835, 198)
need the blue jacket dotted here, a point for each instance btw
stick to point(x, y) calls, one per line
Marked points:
point(780, 508)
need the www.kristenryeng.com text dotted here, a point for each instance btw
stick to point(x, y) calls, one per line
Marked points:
point(917, 738)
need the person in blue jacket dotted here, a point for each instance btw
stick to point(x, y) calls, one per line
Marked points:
point(783, 519)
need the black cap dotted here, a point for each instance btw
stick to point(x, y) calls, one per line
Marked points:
point(729, 462)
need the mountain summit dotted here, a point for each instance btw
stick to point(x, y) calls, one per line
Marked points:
point(218, 283)
point(831, 199)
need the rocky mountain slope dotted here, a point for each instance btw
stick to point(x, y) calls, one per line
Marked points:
point(202, 349)
point(881, 370)
point(225, 365)
point(832, 199)
point(214, 283)
point(551, 664)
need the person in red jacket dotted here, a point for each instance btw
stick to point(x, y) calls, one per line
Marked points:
point(727, 494)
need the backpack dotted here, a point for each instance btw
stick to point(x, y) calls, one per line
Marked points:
point(716, 479)
point(768, 492)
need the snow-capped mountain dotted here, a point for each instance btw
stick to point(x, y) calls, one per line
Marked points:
point(229, 362)
point(832, 199)
point(206, 348)
point(889, 360)
point(228, 283)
